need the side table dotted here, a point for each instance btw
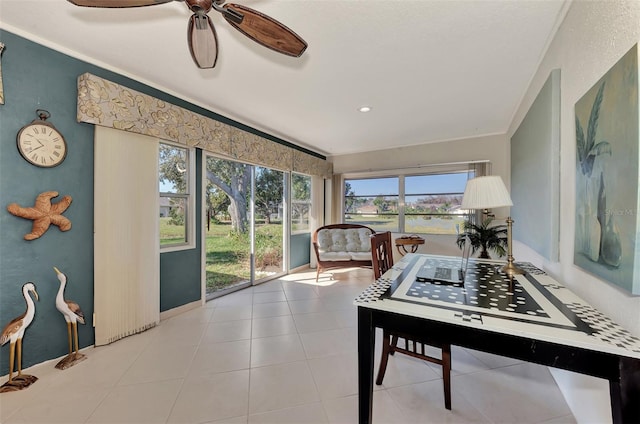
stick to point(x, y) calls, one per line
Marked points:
point(412, 241)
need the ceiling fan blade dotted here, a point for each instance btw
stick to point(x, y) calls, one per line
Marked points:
point(117, 3)
point(203, 43)
point(265, 30)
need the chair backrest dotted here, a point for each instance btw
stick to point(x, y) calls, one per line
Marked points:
point(381, 253)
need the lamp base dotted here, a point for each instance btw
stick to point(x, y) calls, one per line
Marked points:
point(512, 269)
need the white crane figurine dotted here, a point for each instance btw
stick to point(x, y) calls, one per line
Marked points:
point(13, 333)
point(72, 315)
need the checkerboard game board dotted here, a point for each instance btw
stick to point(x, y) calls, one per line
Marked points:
point(489, 297)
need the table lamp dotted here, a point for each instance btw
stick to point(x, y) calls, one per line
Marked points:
point(490, 192)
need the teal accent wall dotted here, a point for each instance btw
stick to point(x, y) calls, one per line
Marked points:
point(299, 244)
point(36, 77)
point(180, 272)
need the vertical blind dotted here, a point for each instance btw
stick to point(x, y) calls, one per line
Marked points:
point(126, 247)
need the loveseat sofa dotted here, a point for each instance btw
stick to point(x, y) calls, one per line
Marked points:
point(342, 246)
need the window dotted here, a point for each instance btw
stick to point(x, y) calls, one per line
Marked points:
point(300, 202)
point(427, 203)
point(432, 203)
point(373, 202)
point(175, 187)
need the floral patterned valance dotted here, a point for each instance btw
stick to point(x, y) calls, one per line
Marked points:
point(105, 103)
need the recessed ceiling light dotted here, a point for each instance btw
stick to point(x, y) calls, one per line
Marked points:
point(364, 109)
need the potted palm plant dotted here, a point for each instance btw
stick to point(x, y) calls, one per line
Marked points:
point(484, 237)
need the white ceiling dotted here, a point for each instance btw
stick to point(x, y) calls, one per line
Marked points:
point(431, 70)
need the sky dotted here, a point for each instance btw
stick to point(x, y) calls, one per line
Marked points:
point(422, 184)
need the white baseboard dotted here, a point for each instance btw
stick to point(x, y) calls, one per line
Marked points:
point(180, 310)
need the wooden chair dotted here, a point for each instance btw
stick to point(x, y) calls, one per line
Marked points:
point(413, 345)
point(381, 253)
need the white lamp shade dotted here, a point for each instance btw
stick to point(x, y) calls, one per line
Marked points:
point(485, 193)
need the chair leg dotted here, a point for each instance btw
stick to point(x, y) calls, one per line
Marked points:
point(446, 375)
point(394, 343)
point(384, 358)
point(317, 273)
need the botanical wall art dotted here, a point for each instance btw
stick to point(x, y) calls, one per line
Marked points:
point(607, 148)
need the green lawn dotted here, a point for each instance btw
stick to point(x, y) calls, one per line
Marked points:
point(228, 257)
point(170, 234)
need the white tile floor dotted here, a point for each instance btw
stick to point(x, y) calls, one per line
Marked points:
point(281, 352)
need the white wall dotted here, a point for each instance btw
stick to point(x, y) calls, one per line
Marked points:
point(591, 39)
point(492, 147)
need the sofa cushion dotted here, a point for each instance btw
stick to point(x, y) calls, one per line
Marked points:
point(344, 240)
point(335, 256)
point(360, 256)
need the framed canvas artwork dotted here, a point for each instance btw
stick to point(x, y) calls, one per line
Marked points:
point(535, 172)
point(606, 241)
point(1, 86)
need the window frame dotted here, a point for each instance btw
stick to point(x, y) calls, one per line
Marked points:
point(401, 195)
point(396, 196)
point(189, 195)
point(295, 201)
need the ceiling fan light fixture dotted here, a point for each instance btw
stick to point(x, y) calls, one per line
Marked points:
point(203, 43)
point(364, 109)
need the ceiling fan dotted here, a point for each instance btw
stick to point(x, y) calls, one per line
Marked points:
point(201, 35)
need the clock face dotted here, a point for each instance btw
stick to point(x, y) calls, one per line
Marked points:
point(42, 145)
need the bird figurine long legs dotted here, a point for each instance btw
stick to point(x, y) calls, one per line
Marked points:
point(13, 333)
point(72, 315)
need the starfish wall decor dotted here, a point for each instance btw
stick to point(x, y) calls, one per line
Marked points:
point(43, 213)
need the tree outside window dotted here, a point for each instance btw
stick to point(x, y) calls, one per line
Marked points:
point(174, 191)
point(300, 202)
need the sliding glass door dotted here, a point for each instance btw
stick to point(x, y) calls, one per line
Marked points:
point(270, 217)
point(227, 242)
point(244, 225)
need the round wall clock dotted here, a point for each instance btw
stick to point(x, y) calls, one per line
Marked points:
point(40, 143)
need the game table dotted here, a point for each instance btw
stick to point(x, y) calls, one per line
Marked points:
point(532, 318)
